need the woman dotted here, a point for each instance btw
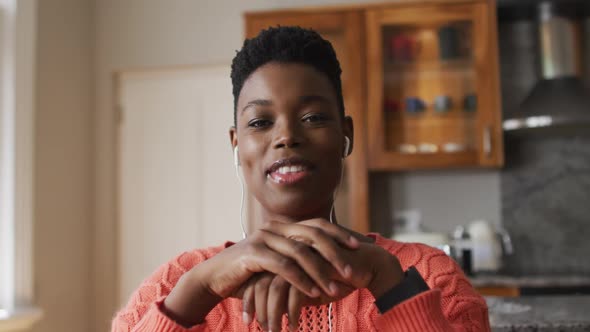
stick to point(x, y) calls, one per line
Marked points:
point(297, 268)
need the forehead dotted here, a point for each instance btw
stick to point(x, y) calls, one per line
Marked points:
point(278, 82)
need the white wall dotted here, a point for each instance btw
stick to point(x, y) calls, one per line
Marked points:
point(146, 33)
point(445, 198)
point(63, 167)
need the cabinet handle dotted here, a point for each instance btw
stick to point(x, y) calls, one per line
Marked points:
point(487, 141)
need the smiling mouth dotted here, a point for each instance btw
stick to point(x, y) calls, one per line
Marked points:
point(289, 171)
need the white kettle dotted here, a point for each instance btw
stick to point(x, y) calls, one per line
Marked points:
point(489, 244)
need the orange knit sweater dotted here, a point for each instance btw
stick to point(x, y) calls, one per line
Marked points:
point(451, 305)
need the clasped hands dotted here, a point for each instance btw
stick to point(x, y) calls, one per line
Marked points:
point(328, 254)
point(282, 267)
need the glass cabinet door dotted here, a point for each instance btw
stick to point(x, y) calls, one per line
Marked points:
point(428, 102)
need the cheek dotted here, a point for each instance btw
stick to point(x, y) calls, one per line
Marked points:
point(331, 148)
point(251, 155)
point(331, 160)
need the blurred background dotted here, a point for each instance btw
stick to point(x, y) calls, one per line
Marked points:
point(471, 134)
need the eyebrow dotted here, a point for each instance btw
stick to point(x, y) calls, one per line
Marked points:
point(307, 99)
point(257, 102)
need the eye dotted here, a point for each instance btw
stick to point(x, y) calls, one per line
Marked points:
point(315, 118)
point(259, 123)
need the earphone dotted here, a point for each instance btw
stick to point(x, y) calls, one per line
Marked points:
point(346, 146)
point(345, 154)
point(236, 159)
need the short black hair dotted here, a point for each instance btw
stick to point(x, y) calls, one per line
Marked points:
point(286, 44)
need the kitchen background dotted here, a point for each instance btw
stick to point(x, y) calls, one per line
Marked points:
point(540, 197)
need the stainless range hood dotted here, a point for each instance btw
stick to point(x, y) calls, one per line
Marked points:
point(560, 100)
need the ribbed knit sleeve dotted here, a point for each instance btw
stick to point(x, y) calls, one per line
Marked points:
point(143, 310)
point(452, 304)
point(154, 320)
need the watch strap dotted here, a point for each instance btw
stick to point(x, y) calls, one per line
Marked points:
point(412, 285)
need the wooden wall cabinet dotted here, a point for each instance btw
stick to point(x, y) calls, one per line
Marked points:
point(420, 80)
point(433, 88)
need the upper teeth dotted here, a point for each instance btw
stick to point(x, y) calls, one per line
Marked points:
point(290, 169)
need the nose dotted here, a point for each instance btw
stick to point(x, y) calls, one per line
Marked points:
point(287, 135)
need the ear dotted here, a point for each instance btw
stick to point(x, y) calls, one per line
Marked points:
point(348, 131)
point(233, 137)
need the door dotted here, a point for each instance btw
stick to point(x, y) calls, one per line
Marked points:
point(177, 184)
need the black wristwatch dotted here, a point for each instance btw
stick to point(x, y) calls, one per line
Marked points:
point(412, 285)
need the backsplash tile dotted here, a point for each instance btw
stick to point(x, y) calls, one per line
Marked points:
point(546, 204)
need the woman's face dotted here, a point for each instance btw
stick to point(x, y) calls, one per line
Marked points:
point(291, 139)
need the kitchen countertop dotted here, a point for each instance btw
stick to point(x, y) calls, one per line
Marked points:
point(486, 280)
point(539, 313)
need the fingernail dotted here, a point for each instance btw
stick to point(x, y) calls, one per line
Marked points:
point(353, 241)
point(347, 271)
point(333, 288)
point(315, 292)
point(246, 318)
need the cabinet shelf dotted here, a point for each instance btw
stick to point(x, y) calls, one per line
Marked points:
point(397, 161)
point(429, 115)
point(464, 64)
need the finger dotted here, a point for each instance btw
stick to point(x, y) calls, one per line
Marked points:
point(319, 240)
point(265, 257)
point(260, 300)
point(295, 303)
point(277, 302)
point(248, 303)
point(341, 235)
point(313, 265)
point(340, 231)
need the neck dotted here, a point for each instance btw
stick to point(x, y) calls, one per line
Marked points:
point(323, 213)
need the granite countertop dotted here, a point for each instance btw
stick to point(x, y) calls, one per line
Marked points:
point(486, 280)
point(540, 313)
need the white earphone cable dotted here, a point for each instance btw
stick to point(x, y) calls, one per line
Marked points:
point(241, 201)
point(332, 221)
point(336, 192)
point(330, 317)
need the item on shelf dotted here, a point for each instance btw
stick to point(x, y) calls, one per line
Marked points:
point(391, 105)
point(443, 103)
point(427, 148)
point(415, 105)
point(470, 102)
point(448, 42)
point(404, 48)
point(453, 147)
point(407, 148)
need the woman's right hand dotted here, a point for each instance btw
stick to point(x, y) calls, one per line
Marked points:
point(306, 257)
